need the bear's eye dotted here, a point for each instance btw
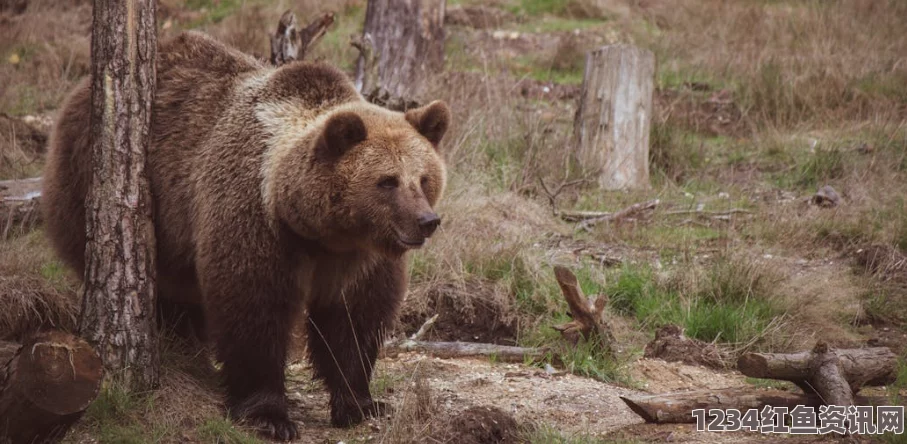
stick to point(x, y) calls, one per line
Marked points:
point(424, 181)
point(388, 183)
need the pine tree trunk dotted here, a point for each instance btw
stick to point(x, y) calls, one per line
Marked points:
point(612, 124)
point(118, 304)
point(407, 39)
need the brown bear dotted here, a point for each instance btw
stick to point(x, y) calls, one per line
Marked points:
point(275, 190)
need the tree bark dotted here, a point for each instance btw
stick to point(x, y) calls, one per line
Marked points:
point(678, 407)
point(407, 39)
point(611, 129)
point(46, 387)
point(118, 303)
point(859, 367)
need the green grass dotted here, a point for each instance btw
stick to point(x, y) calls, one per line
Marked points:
point(115, 417)
point(222, 431)
point(771, 383)
point(215, 10)
point(732, 305)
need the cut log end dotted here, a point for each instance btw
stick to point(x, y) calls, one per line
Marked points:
point(47, 385)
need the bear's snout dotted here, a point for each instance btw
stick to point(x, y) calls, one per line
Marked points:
point(428, 223)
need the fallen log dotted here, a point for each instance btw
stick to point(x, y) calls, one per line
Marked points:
point(46, 387)
point(678, 407)
point(447, 350)
point(859, 367)
point(19, 205)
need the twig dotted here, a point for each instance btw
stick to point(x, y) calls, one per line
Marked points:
point(424, 328)
point(709, 213)
point(628, 212)
point(552, 195)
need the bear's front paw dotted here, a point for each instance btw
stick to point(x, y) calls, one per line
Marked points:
point(349, 414)
point(268, 418)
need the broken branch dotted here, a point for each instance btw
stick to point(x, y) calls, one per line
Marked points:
point(678, 407)
point(626, 213)
point(447, 350)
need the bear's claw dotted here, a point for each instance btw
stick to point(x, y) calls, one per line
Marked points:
point(348, 415)
point(266, 413)
point(281, 429)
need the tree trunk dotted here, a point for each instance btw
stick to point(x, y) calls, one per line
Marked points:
point(407, 43)
point(678, 407)
point(118, 304)
point(611, 129)
point(46, 387)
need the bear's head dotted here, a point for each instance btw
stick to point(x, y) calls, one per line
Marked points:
point(366, 178)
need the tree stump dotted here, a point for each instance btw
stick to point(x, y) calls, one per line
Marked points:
point(46, 387)
point(407, 43)
point(118, 303)
point(587, 315)
point(611, 129)
point(290, 43)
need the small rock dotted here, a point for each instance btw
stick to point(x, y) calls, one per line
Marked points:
point(826, 197)
point(723, 195)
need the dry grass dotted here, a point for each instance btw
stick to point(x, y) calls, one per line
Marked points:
point(788, 63)
point(35, 290)
point(50, 47)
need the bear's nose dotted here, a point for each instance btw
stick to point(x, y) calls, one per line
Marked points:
point(428, 223)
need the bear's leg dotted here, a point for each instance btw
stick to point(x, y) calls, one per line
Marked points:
point(344, 334)
point(251, 321)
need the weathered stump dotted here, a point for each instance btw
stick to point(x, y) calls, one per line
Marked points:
point(405, 38)
point(611, 129)
point(46, 387)
point(290, 43)
point(587, 320)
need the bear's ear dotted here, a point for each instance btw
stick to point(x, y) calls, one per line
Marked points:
point(430, 120)
point(341, 132)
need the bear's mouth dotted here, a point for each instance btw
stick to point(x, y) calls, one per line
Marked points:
point(408, 243)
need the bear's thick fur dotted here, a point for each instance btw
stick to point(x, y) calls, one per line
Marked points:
point(275, 190)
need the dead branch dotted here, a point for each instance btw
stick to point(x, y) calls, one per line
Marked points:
point(678, 407)
point(289, 44)
point(629, 212)
point(860, 367)
point(709, 213)
point(587, 317)
point(447, 350)
point(561, 187)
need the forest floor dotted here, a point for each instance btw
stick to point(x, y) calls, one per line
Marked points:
point(758, 105)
